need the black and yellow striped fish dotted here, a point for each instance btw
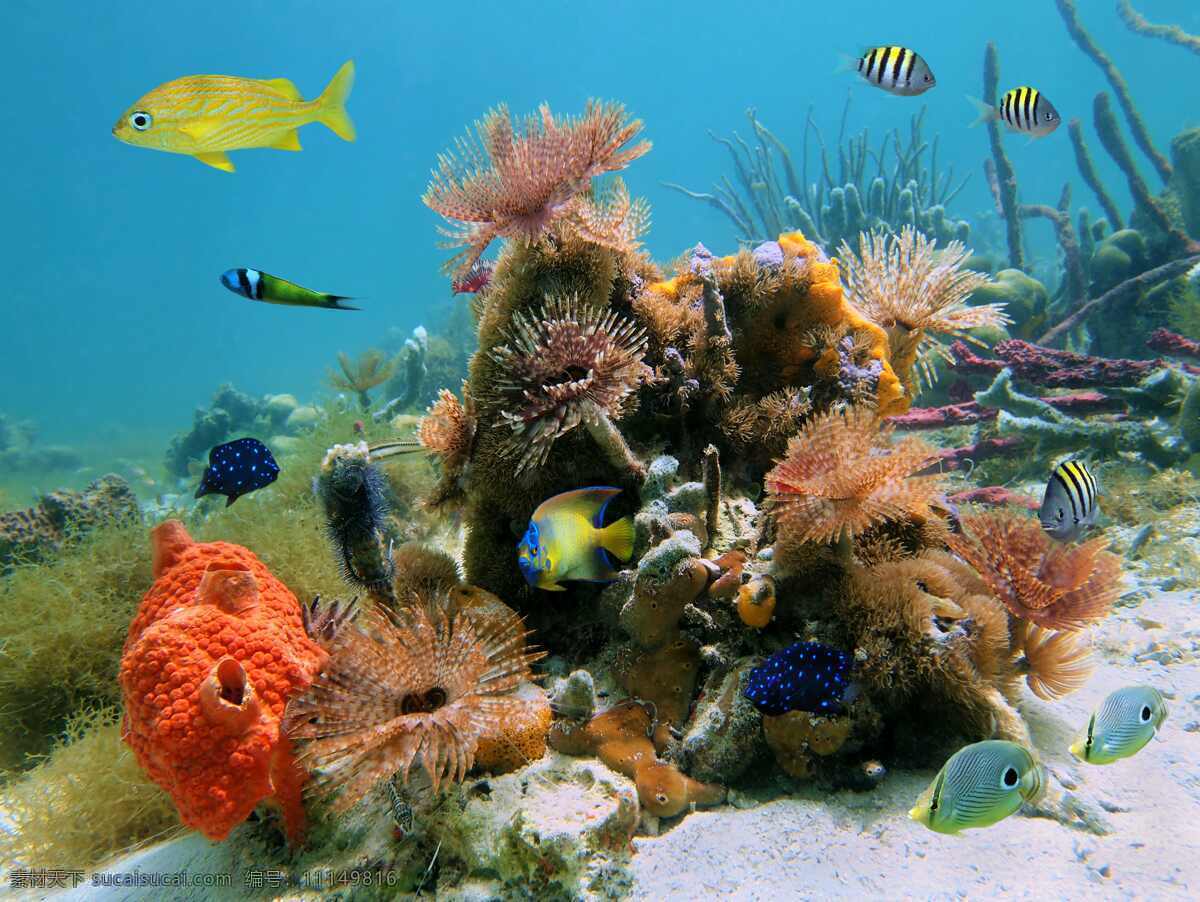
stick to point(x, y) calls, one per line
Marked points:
point(1025, 110)
point(1070, 504)
point(897, 70)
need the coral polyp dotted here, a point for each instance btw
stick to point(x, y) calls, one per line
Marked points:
point(414, 687)
point(514, 182)
point(566, 365)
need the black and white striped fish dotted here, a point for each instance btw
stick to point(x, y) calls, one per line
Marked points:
point(897, 70)
point(1070, 504)
point(1025, 110)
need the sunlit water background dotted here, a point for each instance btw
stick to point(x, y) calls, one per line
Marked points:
point(114, 326)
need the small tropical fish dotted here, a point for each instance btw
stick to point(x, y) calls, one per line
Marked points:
point(981, 784)
point(1069, 504)
point(1025, 110)
point(897, 70)
point(805, 676)
point(567, 539)
point(206, 115)
point(237, 468)
point(260, 286)
point(1125, 721)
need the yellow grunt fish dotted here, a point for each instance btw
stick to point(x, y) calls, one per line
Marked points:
point(206, 115)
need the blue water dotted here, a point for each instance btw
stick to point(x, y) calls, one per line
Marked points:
point(113, 320)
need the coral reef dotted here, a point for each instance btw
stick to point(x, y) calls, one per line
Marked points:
point(60, 516)
point(213, 654)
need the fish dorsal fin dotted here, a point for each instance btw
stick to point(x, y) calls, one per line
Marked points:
point(199, 129)
point(588, 503)
point(284, 87)
point(288, 141)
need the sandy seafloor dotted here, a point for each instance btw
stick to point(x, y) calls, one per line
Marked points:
point(862, 845)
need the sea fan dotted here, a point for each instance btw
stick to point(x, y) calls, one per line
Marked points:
point(513, 184)
point(567, 364)
point(371, 369)
point(907, 287)
point(410, 688)
point(1056, 586)
point(841, 474)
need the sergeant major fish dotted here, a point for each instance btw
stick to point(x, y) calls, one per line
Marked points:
point(567, 539)
point(1069, 504)
point(1025, 110)
point(979, 785)
point(260, 286)
point(1125, 721)
point(206, 115)
point(896, 70)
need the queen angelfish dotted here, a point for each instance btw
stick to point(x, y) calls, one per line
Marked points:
point(1125, 721)
point(260, 286)
point(1069, 504)
point(567, 540)
point(981, 784)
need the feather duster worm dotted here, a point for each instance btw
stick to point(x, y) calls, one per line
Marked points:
point(416, 687)
point(841, 474)
point(904, 285)
point(1056, 586)
point(514, 183)
point(1055, 663)
point(567, 365)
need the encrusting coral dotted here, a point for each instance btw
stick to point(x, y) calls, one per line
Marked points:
point(841, 474)
point(414, 686)
point(1056, 586)
point(514, 183)
point(909, 288)
point(215, 651)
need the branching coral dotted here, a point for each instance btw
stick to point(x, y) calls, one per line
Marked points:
point(514, 183)
point(1056, 586)
point(569, 364)
point(904, 285)
point(371, 369)
point(414, 687)
point(841, 474)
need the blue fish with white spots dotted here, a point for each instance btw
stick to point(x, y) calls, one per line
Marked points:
point(805, 676)
point(256, 285)
point(237, 468)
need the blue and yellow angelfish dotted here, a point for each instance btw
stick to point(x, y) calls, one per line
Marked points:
point(567, 540)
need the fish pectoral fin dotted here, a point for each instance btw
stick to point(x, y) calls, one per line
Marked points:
point(283, 86)
point(199, 129)
point(217, 160)
point(288, 141)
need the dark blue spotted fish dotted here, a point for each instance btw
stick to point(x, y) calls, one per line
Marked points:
point(806, 676)
point(236, 468)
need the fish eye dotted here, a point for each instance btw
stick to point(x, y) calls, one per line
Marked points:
point(1145, 714)
point(928, 77)
point(141, 120)
point(1009, 777)
point(1061, 513)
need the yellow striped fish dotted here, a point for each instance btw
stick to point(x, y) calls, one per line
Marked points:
point(1025, 110)
point(897, 70)
point(1069, 505)
point(206, 115)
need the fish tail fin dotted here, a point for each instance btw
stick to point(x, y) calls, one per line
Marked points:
point(332, 111)
point(617, 539)
point(986, 112)
point(334, 302)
